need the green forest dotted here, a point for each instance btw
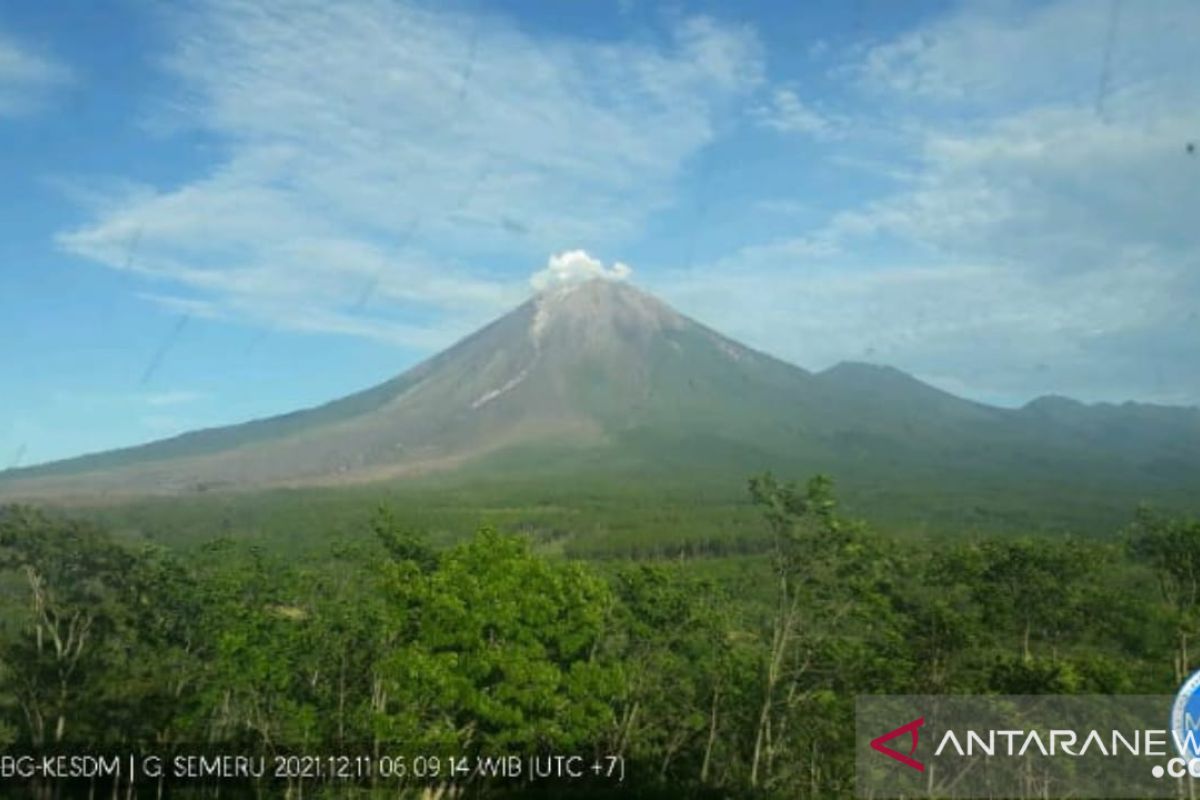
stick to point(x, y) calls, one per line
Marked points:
point(723, 674)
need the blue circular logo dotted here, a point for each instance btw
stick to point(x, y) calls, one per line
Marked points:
point(1185, 718)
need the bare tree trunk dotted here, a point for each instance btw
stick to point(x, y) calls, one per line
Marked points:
point(780, 638)
point(342, 701)
point(763, 722)
point(712, 735)
point(626, 728)
point(60, 725)
point(672, 747)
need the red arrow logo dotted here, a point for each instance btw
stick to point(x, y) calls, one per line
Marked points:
point(907, 760)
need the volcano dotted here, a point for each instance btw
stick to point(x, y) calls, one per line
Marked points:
point(600, 377)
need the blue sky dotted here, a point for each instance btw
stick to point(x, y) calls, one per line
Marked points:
point(214, 211)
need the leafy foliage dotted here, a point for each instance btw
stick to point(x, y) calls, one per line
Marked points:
point(733, 675)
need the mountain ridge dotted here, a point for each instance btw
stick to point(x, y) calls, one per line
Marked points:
point(614, 375)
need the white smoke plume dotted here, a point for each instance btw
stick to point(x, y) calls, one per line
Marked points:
point(576, 266)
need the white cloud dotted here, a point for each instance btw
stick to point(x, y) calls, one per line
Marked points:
point(1052, 190)
point(1006, 55)
point(785, 112)
point(375, 149)
point(26, 77)
point(1042, 236)
point(184, 306)
point(385, 166)
point(1000, 334)
point(576, 266)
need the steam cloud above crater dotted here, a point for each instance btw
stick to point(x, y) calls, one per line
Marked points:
point(572, 267)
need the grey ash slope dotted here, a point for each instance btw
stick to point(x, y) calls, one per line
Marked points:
point(603, 377)
point(568, 366)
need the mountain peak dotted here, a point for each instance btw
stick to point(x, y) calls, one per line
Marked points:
point(861, 368)
point(860, 373)
point(599, 308)
point(595, 290)
point(1051, 403)
point(600, 372)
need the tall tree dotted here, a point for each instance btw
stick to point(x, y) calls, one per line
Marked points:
point(808, 544)
point(75, 610)
point(1171, 548)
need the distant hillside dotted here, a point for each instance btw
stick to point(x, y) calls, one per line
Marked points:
point(603, 379)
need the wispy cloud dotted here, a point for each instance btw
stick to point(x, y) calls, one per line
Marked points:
point(27, 77)
point(1010, 54)
point(785, 112)
point(1017, 210)
point(1035, 241)
point(376, 149)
